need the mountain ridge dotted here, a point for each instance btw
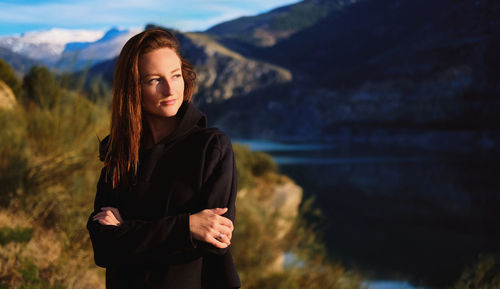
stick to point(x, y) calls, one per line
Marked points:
point(266, 29)
point(65, 49)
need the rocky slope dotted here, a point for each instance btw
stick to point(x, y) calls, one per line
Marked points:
point(276, 204)
point(224, 74)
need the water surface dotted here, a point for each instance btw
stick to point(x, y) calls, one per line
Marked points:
point(399, 215)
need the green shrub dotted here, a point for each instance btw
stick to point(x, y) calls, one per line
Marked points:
point(8, 75)
point(242, 156)
point(252, 164)
point(20, 235)
point(32, 279)
point(263, 164)
point(41, 87)
point(13, 154)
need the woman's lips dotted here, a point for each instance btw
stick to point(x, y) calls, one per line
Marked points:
point(168, 102)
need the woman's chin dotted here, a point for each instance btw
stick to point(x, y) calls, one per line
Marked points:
point(163, 112)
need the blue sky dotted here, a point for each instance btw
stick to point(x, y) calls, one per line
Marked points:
point(186, 15)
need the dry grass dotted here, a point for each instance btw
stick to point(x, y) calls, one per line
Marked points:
point(48, 171)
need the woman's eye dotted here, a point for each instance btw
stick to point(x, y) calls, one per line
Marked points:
point(176, 76)
point(154, 80)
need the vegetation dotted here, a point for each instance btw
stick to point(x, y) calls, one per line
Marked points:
point(48, 165)
point(278, 23)
point(8, 75)
point(21, 235)
point(40, 86)
point(485, 274)
point(251, 165)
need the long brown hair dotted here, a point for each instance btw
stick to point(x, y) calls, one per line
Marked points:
point(122, 155)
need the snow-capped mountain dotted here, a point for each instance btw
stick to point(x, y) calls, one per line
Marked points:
point(47, 45)
point(67, 49)
point(80, 55)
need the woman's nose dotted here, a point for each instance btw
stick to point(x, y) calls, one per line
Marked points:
point(164, 88)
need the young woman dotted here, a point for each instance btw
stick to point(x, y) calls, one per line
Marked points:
point(165, 203)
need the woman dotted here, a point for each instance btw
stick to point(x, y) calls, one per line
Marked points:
point(165, 199)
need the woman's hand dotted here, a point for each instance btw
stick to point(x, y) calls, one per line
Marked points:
point(210, 227)
point(109, 216)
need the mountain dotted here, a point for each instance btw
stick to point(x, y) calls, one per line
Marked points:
point(387, 73)
point(47, 46)
point(110, 35)
point(387, 39)
point(224, 74)
point(81, 55)
point(68, 50)
point(269, 28)
point(20, 63)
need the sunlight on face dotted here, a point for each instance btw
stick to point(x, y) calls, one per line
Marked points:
point(162, 84)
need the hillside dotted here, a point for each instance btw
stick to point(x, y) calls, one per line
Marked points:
point(20, 63)
point(269, 28)
point(384, 73)
point(387, 39)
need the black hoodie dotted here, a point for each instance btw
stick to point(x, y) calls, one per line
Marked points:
point(192, 169)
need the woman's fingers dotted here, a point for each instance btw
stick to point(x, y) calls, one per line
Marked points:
point(220, 219)
point(105, 214)
point(219, 211)
point(111, 217)
point(115, 211)
point(107, 217)
point(223, 238)
point(99, 216)
point(209, 226)
point(224, 231)
point(218, 242)
point(108, 221)
point(226, 222)
point(222, 211)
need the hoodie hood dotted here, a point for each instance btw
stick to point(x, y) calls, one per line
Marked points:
point(190, 117)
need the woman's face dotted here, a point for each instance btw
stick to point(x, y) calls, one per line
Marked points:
point(162, 84)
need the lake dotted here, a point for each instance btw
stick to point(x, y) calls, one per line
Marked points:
point(398, 216)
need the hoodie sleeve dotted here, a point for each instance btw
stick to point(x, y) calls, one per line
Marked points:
point(220, 184)
point(133, 241)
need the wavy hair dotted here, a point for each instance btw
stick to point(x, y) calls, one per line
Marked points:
point(122, 152)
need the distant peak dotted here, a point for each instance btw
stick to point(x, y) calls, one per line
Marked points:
point(59, 36)
point(112, 33)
